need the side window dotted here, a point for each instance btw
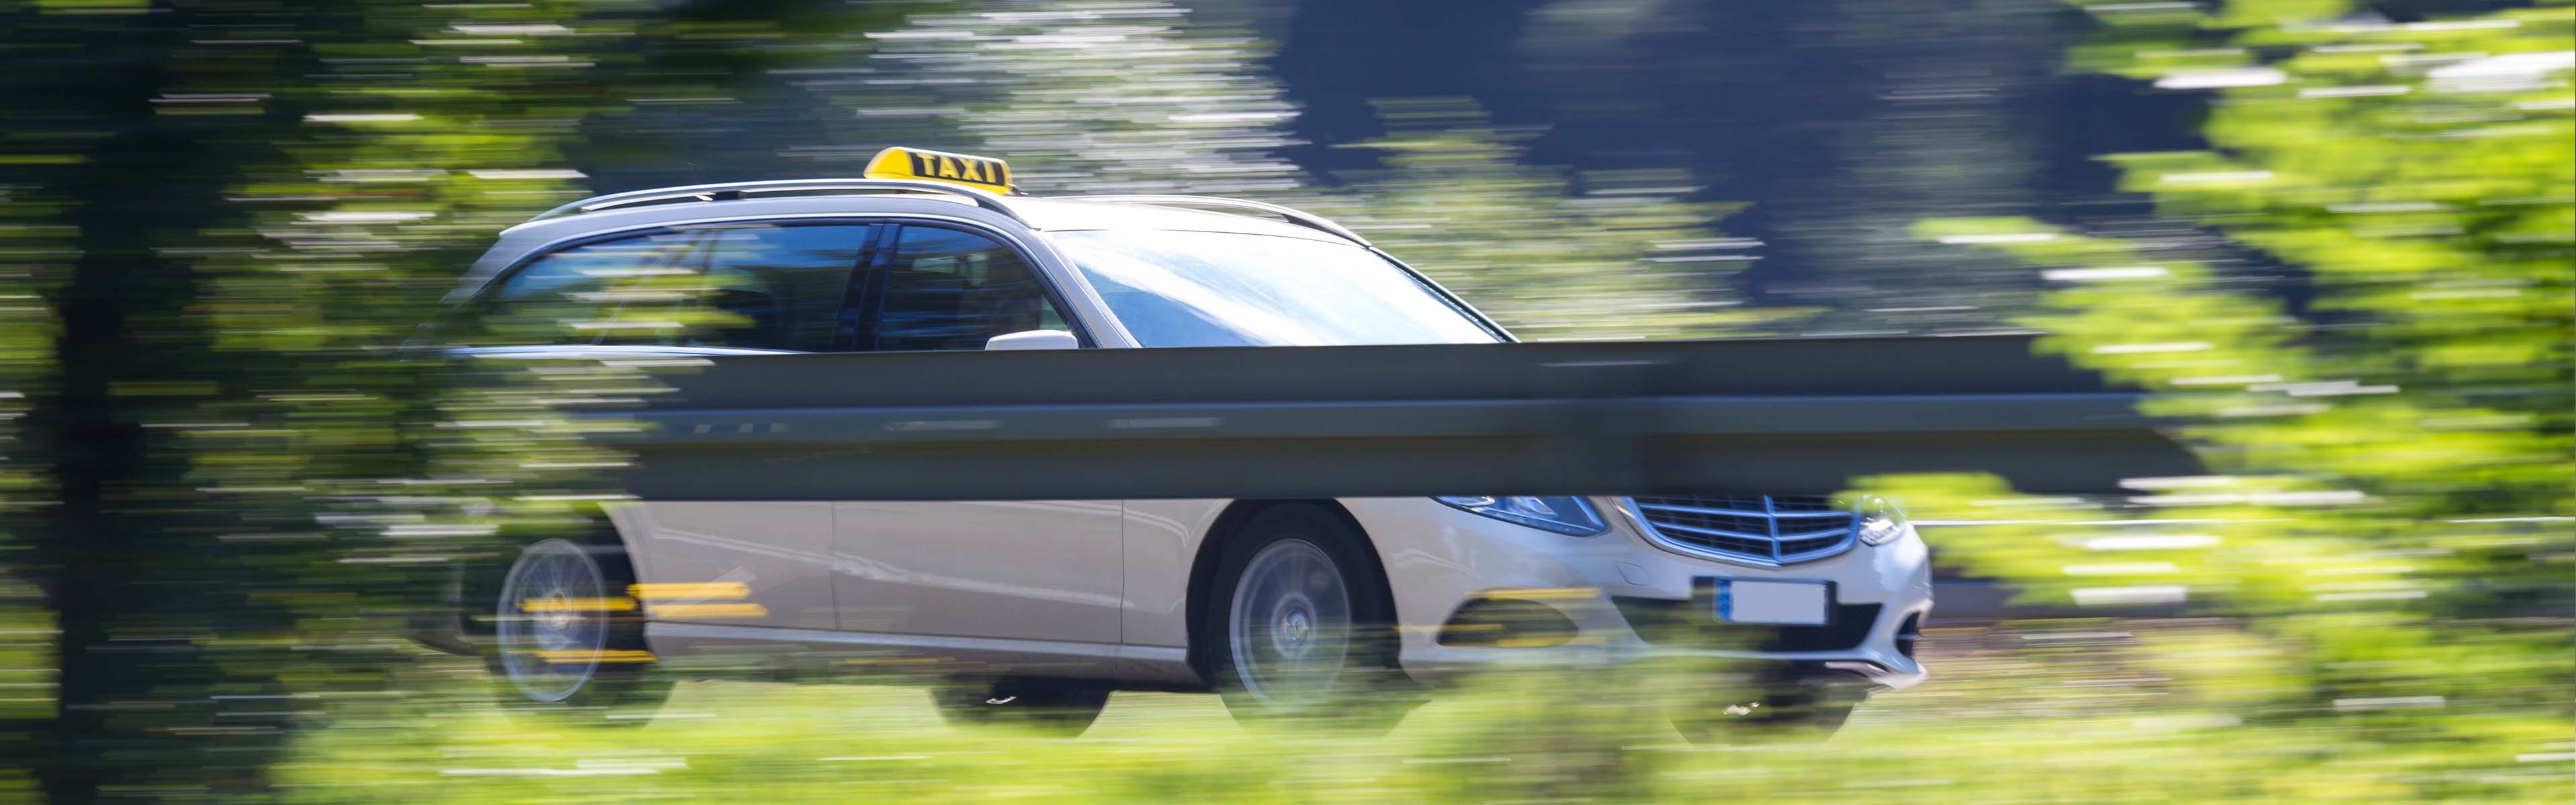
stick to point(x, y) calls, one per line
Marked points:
point(777, 287)
point(573, 296)
point(951, 289)
point(764, 287)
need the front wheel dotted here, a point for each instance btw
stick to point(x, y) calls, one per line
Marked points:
point(568, 639)
point(1299, 626)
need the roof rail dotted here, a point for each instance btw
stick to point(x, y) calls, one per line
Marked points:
point(1298, 217)
point(736, 190)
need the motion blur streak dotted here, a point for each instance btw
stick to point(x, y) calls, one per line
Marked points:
point(2337, 240)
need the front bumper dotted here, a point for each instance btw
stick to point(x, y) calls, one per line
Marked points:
point(1630, 600)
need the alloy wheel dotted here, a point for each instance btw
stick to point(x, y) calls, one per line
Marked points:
point(553, 620)
point(1290, 625)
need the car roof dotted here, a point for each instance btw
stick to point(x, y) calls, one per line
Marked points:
point(1073, 215)
point(1040, 214)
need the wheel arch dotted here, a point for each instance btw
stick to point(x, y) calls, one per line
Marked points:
point(1222, 531)
point(476, 577)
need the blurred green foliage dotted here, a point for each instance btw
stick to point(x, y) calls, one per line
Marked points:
point(2077, 711)
point(1552, 256)
point(2424, 397)
point(1128, 97)
point(246, 467)
point(2392, 518)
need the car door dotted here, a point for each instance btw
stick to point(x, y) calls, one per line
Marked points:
point(711, 293)
point(1032, 569)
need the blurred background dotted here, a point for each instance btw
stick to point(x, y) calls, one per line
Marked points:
point(2336, 239)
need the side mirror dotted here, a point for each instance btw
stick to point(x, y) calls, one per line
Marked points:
point(1033, 339)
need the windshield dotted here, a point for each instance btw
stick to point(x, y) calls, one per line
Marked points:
point(1229, 289)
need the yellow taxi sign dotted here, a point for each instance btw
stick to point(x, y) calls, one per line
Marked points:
point(981, 173)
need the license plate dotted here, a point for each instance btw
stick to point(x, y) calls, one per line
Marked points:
point(1792, 603)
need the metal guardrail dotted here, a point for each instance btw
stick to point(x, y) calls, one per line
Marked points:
point(1782, 416)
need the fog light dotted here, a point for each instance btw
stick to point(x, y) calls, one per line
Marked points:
point(1507, 623)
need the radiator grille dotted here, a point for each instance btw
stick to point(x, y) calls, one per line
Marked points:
point(1763, 529)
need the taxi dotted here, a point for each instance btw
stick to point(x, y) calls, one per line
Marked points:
point(1035, 611)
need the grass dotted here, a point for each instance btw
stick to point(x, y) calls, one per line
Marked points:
point(2033, 713)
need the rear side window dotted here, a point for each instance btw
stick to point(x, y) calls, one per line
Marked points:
point(576, 295)
point(761, 287)
point(947, 289)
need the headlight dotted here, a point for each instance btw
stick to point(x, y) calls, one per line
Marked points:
point(1564, 515)
point(1881, 521)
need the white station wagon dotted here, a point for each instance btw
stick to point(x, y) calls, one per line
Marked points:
point(1043, 607)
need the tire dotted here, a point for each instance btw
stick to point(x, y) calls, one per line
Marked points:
point(1298, 627)
point(568, 639)
point(1061, 709)
point(1798, 713)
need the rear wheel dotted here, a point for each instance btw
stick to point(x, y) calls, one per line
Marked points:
point(1047, 707)
point(1299, 626)
point(567, 638)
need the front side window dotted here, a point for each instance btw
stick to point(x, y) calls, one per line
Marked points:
point(762, 287)
point(1225, 289)
point(948, 289)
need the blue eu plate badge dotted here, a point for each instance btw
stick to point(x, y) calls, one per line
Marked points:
point(1786, 603)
